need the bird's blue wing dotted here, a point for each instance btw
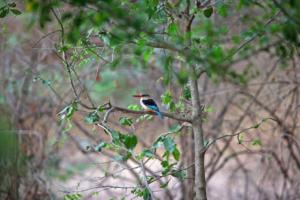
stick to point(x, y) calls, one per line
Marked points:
point(156, 110)
point(150, 103)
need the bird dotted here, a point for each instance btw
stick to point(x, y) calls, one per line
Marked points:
point(149, 104)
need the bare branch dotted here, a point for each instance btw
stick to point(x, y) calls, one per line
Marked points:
point(238, 133)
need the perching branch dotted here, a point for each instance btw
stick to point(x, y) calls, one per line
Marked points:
point(168, 115)
point(109, 108)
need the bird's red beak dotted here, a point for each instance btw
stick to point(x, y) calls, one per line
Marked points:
point(137, 96)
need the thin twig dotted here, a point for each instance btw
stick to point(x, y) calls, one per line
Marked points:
point(236, 134)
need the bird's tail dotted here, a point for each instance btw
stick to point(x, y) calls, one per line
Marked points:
point(159, 114)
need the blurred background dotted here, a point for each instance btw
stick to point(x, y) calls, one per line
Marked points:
point(44, 157)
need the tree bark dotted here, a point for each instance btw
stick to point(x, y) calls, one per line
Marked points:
point(200, 183)
point(188, 157)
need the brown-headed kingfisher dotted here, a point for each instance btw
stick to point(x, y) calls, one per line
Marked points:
point(148, 103)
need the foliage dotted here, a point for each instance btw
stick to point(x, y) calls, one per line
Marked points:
point(135, 35)
point(68, 111)
point(92, 118)
point(10, 7)
point(72, 197)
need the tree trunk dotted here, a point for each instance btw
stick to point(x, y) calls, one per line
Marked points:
point(200, 184)
point(188, 158)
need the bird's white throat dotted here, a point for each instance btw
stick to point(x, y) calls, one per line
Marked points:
point(142, 104)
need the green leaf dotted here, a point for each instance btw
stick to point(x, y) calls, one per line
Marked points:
point(223, 10)
point(208, 109)
point(95, 194)
point(237, 78)
point(256, 142)
point(12, 4)
point(172, 29)
point(175, 127)
point(172, 106)
point(146, 194)
point(65, 16)
point(187, 92)
point(266, 119)
point(169, 144)
point(217, 53)
point(179, 174)
point(46, 82)
point(144, 118)
point(290, 32)
point(130, 141)
point(248, 35)
point(158, 142)
point(240, 138)
point(167, 75)
point(208, 12)
point(118, 158)
point(100, 146)
point(205, 142)
point(148, 153)
point(256, 125)
point(3, 12)
point(164, 163)
point(176, 154)
point(125, 121)
point(166, 155)
point(166, 167)
point(16, 12)
point(100, 108)
point(164, 185)
point(126, 156)
point(68, 111)
point(115, 135)
point(147, 54)
point(142, 193)
point(167, 100)
point(91, 118)
point(274, 28)
point(150, 179)
point(73, 197)
point(134, 107)
point(182, 76)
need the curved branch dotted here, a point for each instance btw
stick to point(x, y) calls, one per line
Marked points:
point(237, 133)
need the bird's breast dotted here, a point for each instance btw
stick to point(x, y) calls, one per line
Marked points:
point(143, 105)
